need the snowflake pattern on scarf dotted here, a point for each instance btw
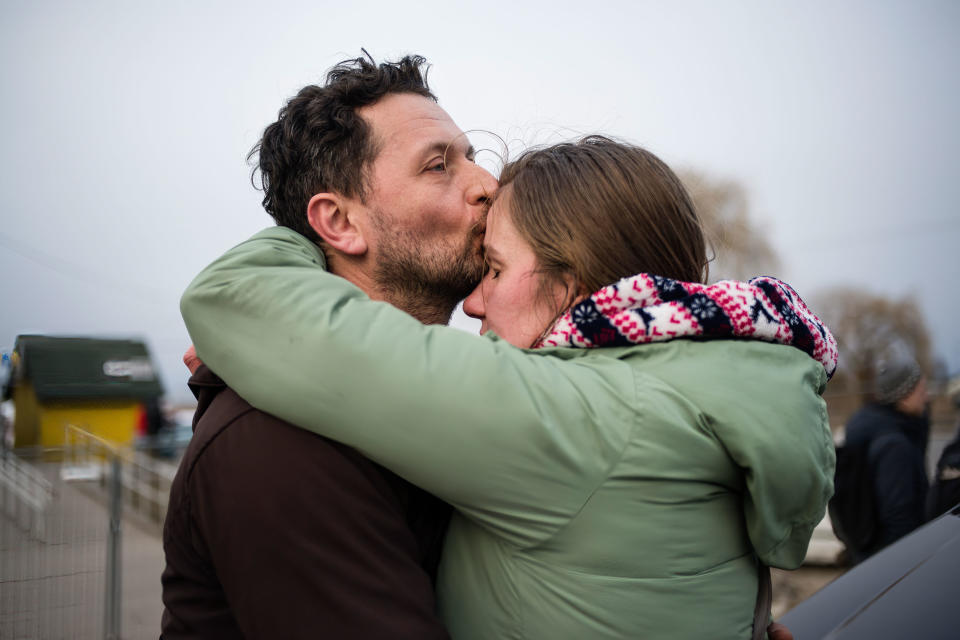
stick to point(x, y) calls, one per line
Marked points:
point(648, 308)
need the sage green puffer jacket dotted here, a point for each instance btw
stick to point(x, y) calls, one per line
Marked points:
point(601, 493)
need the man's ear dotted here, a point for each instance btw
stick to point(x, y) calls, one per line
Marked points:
point(329, 216)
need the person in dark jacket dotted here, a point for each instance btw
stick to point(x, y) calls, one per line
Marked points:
point(274, 532)
point(895, 428)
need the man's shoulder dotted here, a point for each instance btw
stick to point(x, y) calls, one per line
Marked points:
point(232, 434)
point(875, 429)
point(869, 422)
point(893, 447)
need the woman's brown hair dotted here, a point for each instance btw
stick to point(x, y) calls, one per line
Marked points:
point(597, 210)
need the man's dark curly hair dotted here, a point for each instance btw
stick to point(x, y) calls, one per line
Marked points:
point(319, 143)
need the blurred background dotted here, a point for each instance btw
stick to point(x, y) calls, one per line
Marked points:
point(819, 140)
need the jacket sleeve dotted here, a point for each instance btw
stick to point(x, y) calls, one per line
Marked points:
point(784, 449)
point(502, 434)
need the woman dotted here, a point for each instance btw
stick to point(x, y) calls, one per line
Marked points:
point(621, 491)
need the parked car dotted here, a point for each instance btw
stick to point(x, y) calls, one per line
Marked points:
point(908, 590)
point(169, 442)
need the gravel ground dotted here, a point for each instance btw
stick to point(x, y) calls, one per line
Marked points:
point(790, 588)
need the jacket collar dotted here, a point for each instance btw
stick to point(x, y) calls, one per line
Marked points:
point(205, 385)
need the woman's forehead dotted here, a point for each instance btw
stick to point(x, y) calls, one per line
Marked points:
point(501, 234)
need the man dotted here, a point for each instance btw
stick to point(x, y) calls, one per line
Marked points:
point(275, 532)
point(894, 429)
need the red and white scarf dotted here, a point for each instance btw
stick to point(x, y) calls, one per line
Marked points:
point(647, 308)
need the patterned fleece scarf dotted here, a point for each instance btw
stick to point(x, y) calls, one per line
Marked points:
point(647, 308)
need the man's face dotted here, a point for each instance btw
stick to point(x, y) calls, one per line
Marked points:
point(915, 402)
point(426, 201)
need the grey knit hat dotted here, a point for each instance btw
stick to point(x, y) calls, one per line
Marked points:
point(897, 376)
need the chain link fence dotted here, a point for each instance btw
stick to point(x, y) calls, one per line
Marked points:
point(64, 517)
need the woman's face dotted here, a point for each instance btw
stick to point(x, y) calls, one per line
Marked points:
point(509, 299)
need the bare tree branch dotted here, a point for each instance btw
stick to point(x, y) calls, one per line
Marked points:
point(740, 247)
point(866, 326)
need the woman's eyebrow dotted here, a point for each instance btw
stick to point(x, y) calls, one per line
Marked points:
point(490, 252)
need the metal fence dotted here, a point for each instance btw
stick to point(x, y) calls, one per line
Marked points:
point(64, 514)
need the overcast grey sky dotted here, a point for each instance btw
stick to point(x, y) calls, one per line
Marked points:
point(126, 127)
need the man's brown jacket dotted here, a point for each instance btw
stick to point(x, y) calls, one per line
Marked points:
point(274, 532)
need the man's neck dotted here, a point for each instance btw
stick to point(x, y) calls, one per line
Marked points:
point(425, 310)
point(422, 306)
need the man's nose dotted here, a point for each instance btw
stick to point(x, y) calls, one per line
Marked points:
point(482, 186)
point(473, 305)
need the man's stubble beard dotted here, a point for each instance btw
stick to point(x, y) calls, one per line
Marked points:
point(425, 279)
